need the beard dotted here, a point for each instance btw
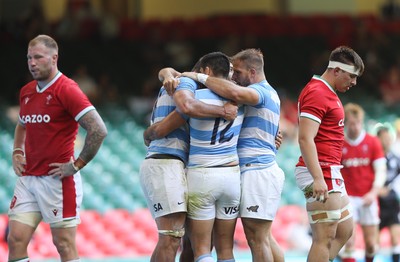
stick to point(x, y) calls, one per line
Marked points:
point(41, 75)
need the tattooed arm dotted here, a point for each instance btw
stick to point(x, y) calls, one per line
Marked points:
point(96, 131)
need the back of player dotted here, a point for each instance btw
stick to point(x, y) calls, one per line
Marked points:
point(163, 181)
point(213, 180)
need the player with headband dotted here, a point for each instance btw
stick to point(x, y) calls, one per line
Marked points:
point(321, 137)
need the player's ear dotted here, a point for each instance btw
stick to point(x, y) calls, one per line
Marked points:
point(207, 71)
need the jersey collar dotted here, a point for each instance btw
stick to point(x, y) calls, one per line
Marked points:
point(316, 77)
point(49, 83)
point(358, 140)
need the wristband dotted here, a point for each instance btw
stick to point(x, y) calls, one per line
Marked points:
point(78, 164)
point(202, 78)
point(18, 149)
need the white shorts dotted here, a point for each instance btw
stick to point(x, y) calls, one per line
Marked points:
point(304, 181)
point(213, 193)
point(362, 214)
point(56, 200)
point(261, 191)
point(164, 186)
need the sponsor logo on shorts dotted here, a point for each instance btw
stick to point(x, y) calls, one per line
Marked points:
point(180, 203)
point(157, 207)
point(231, 210)
point(13, 200)
point(253, 208)
point(55, 211)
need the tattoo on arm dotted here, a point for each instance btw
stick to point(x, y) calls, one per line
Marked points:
point(96, 131)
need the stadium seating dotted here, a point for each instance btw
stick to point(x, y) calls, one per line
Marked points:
point(115, 220)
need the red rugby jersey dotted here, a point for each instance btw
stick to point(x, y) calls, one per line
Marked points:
point(319, 102)
point(50, 117)
point(358, 158)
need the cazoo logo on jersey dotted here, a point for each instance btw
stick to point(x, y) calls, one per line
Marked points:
point(36, 119)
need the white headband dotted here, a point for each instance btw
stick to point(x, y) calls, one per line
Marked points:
point(345, 67)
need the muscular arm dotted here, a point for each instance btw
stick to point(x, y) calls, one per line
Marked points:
point(189, 105)
point(229, 90)
point(96, 131)
point(19, 136)
point(308, 129)
point(164, 127)
point(18, 156)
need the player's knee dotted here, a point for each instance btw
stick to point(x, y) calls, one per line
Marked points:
point(175, 233)
point(324, 216)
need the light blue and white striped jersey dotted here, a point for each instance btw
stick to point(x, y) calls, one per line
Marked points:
point(260, 126)
point(213, 141)
point(177, 142)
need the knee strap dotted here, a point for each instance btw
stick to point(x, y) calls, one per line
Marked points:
point(324, 216)
point(173, 233)
point(345, 213)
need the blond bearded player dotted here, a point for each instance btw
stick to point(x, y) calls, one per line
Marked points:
point(49, 185)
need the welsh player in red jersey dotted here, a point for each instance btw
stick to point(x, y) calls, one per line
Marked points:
point(364, 172)
point(321, 135)
point(49, 186)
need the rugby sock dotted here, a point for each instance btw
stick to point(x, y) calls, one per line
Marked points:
point(348, 259)
point(226, 260)
point(205, 258)
point(25, 259)
point(396, 253)
point(369, 258)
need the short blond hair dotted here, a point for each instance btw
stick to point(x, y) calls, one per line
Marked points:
point(46, 40)
point(355, 110)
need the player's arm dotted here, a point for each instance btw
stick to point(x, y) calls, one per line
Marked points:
point(187, 104)
point(308, 129)
point(96, 131)
point(18, 155)
point(226, 88)
point(379, 166)
point(162, 128)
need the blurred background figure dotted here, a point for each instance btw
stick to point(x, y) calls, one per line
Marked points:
point(364, 172)
point(390, 194)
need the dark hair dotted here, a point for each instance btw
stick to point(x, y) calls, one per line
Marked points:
point(346, 55)
point(382, 129)
point(218, 62)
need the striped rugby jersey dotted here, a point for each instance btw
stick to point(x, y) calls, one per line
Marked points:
point(260, 126)
point(175, 143)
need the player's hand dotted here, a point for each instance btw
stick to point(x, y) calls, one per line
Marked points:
point(62, 170)
point(278, 140)
point(18, 163)
point(146, 138)
point(320, 190)
point(369, 198)
point(170, 85)
point(231, 110)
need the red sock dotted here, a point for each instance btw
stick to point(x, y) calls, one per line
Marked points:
point(348, 259)
point(369, 259)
